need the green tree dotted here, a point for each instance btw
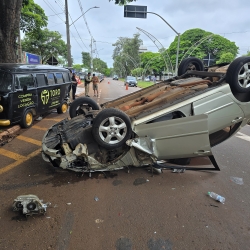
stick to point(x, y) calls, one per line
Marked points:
point(247, 54)
point(137, 71)
point(11, 21)
point(86, 60)
point(227, 57)
point(77, 67)
point(99, 65)
point(199, 43)
point(45, 43)
point(123, 2)
point(126, 54)
point(33, 17)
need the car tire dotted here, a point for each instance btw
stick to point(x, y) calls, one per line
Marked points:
point(238, 75)
point(181, 161)
point(191, 63)
point(27, 119)
point(111, 128)
point(75, 107)
point(62, 108)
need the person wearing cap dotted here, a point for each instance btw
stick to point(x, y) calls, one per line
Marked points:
point(87, 81)
point(95, 81)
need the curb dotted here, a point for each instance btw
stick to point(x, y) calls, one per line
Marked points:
point(10, 131)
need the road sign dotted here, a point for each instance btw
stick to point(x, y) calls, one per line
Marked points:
point(135, 11)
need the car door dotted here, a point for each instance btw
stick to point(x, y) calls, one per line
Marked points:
point(222, 111)
point(178, 138)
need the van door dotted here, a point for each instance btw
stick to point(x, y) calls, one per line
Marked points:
point(49, 92)
point(24, 95)
point(178, 138)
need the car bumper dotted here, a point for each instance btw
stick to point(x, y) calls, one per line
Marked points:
point(4, 122)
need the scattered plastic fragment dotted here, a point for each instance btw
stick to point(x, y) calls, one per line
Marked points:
point(178, 170)
point(68, 203)
point(237, 180)
point(96, 198)
point(99, 221)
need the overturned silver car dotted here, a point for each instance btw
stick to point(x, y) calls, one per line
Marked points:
point(182, 117)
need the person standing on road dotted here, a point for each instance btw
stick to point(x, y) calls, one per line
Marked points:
point(73, 85)
point(95, 81)
point(87, 80)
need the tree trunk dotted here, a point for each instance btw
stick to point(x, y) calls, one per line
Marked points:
point(10, 13)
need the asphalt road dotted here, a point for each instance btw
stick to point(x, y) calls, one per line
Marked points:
point(125, 210)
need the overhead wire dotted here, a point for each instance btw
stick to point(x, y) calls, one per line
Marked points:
point(51, 7)
point(61, 5)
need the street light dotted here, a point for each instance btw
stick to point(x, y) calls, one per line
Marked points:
point(84, 14)
point(141, 12)
point(178, 44)
point(67, 30)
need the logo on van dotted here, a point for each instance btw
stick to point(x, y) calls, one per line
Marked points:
point(45, 96)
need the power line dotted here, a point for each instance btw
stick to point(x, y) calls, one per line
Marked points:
point(51, 7)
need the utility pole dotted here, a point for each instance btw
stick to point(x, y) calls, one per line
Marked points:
point(68, 34)
point(91, 55)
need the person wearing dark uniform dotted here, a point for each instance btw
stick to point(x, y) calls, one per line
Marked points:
point(73, 86)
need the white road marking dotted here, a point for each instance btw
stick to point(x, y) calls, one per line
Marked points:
point(242, 136)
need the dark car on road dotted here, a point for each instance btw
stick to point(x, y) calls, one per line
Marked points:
point(131, 81)
point(115, 77)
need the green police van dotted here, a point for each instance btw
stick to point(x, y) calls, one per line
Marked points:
point(28, 90)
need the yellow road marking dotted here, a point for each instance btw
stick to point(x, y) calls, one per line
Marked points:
point(20, 161)
point(11, 155)
point(30, 140)
point(40, 128)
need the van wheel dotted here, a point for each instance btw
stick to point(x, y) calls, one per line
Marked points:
point(82, 105)
point(238, 75)
point(190, 63)
point(111, 128)
point(27, 119)
point(62, 108)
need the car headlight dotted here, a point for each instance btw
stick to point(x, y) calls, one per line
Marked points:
point(1, 108)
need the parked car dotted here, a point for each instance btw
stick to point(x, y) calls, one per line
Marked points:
point(101, 78)
point(180, 118)
point(27, 91)
point(131, 81)
point(147, 79)
point(115, 77)
point(139, 78)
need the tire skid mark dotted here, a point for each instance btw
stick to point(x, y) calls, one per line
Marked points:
point(66, 230)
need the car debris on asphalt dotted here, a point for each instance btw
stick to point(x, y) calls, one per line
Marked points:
point(30, 204)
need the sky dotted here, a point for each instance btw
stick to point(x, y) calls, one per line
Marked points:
point(228, 18)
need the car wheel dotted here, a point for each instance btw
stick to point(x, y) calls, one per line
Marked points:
point(27, 119)
point(111, 128)
point(81, 105)
point(191, 63)
point(62, 108)
point(238, 75)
